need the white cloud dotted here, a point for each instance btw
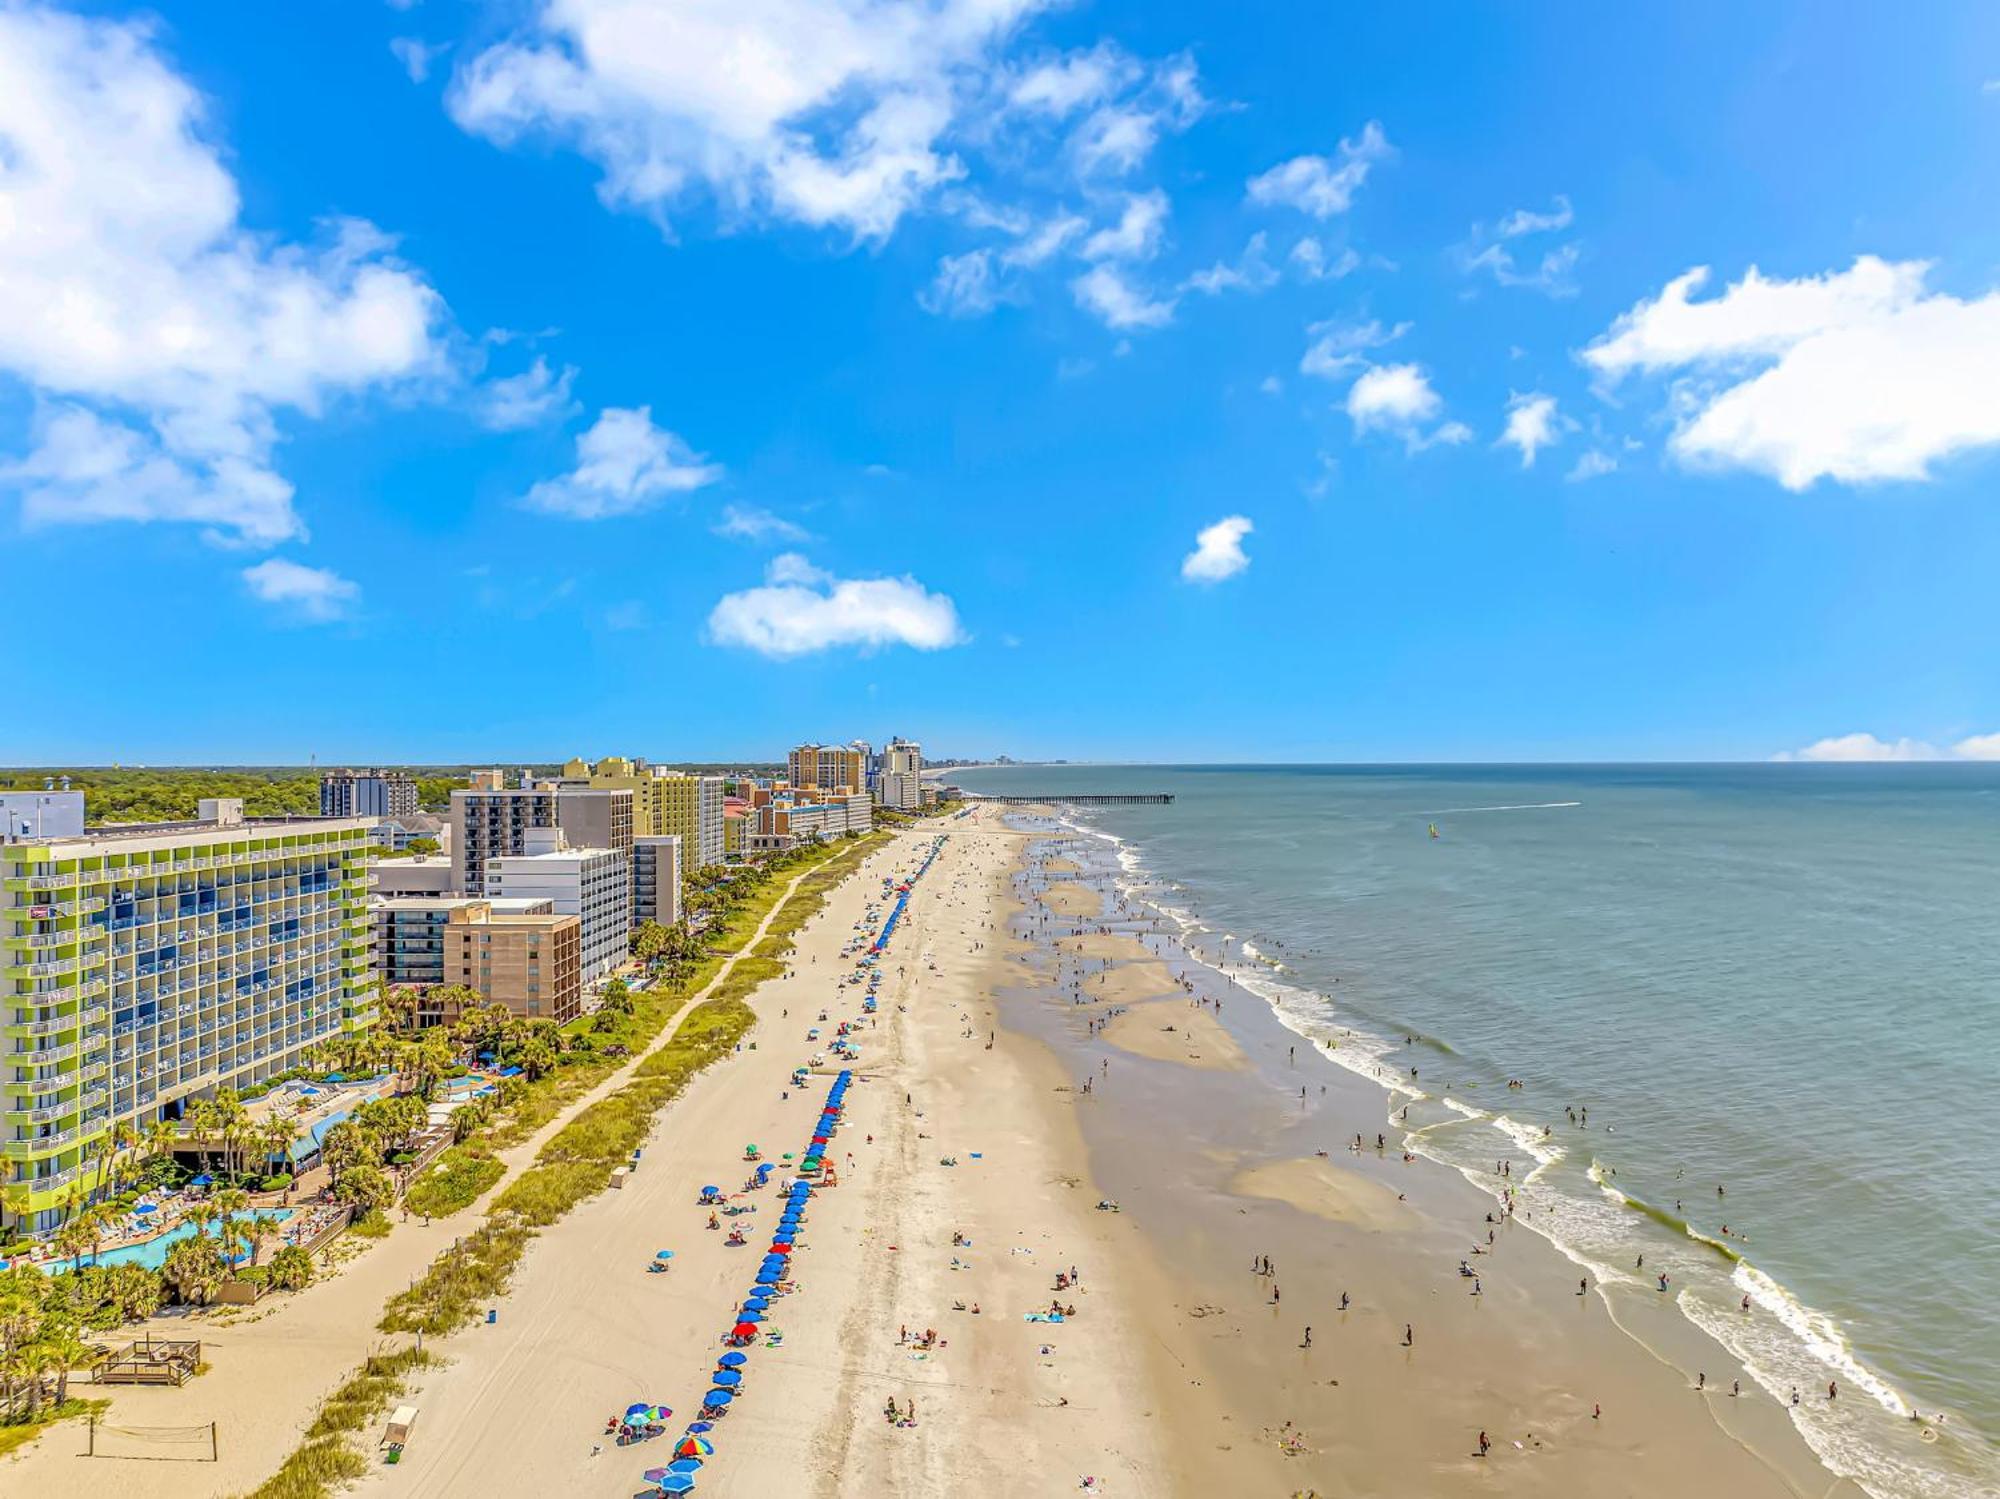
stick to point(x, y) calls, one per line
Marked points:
point(1061, 85)
point(535, 396)
point(1218, 551)
point(1308, 258)
point(161, 338)
point(312, 593)
point(1533, 423)
point(1106, 291)
point(629, 615)
point(1338, 347)
point(963, 286)
point(1317, 185)
point(749, 523)
point(1271, 385)
point(1041, 243)
point(826, 112)
point(1990, 86)
point(1594, 464)
point(624, 464)
point(1550, 274)
point(1398, 399)
point(1116, 137)
point(1858, 748)
point(416, 55)
point(801, 609)
point(1136, 235)
point(1251, 272)
point(1525, 221)
point(1859, 376)
point(1488, 251)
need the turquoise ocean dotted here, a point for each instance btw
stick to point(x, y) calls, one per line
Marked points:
point(1783, 980)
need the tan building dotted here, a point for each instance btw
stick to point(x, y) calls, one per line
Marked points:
point(826, 767)
point(531, 964)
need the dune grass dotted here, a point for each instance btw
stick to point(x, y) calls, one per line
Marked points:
point(330, 1457)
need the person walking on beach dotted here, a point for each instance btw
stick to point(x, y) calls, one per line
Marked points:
point(1309, 1339)
point(1343, 1301)
point(1409, 1336)
point(1483, 1444)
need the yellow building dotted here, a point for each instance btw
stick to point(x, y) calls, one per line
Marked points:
point(663, 802)
point(826, 767)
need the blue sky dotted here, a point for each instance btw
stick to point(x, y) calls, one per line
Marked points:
point(1095, 380)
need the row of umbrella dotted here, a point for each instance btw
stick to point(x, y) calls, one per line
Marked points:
point(678, 1476)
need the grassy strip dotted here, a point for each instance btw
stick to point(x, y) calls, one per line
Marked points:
point(329, 1458)
point(456, 1180)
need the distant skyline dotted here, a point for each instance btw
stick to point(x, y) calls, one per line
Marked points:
point(1114, 381)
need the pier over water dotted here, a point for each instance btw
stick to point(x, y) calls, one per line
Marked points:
point(1080, 799)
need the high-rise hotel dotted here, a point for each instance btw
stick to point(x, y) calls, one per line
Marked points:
point(141, 967)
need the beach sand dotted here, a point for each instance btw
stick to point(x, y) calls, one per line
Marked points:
point(1590, 1393)
point(1326, 1191)
point(1184, 1372)
point(520, 1409)
point(1173, 1030)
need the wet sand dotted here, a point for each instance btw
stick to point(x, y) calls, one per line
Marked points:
point(1590, 1393)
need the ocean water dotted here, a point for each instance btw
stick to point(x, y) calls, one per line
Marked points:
point(1779, 980)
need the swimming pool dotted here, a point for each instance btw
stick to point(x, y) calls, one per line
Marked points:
point(153, 1253)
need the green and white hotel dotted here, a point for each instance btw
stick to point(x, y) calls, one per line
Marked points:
point(143, 967)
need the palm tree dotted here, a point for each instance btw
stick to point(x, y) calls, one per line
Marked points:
point(280, 1135)
point(203, 1119)
point(291, 1268)
point(228, 1203)
point(161, 1138)
point(253, 1233)
point(72, 1240)
point(232, 1125)
point(201, 1214)
point(124, 1139)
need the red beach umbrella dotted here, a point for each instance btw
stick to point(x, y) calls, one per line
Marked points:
point(744, 1330)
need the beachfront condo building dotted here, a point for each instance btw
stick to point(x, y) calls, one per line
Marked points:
point(827, 767)
point(782, 820)
point(143, 966)
point(409, 932)
point(592, 884)
point(518, 953)
point(663, 802)
point(378, 794)
point(492, 824)
point(691, 808)
point(900, 786)
point(656, 878)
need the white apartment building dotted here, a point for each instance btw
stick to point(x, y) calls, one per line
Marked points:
point(901, 784)
point(656, 879)
point(592, 884)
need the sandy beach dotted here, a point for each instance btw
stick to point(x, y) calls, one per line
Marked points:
point(1054, 1113)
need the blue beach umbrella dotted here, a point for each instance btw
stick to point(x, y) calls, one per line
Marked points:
point(767, 1277)
point(663, 1254)
point(710, 1191)
point(638, 1408)
point(732, 1360)
point(718, 1397)
point(696, 1428)
point(684, 1465)
point(749, 1316)
point(727, 1379)
point(677, 1483)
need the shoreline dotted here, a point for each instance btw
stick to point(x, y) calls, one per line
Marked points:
point(1505, 1370)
